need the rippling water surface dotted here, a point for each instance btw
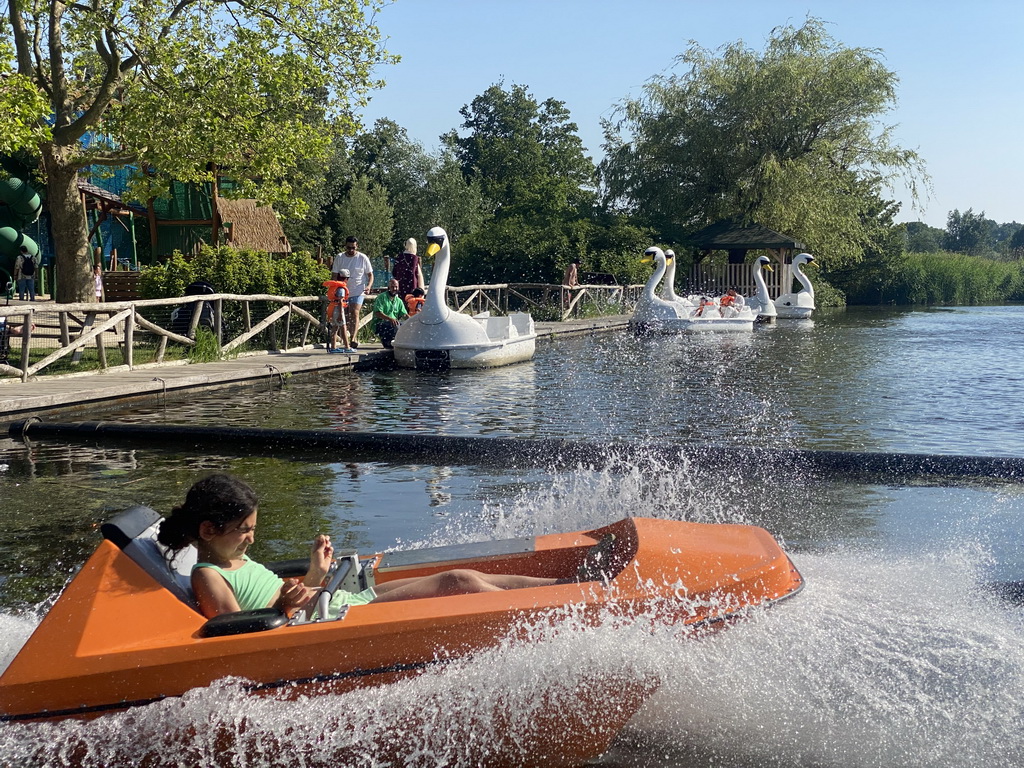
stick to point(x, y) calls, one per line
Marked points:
point(892, 655)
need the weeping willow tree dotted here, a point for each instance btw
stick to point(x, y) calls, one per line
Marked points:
point(790, 137)
point(177, 88)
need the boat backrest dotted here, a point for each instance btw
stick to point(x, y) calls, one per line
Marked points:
point(134, 532)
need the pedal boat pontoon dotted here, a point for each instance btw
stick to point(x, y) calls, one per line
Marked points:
point(126, 632)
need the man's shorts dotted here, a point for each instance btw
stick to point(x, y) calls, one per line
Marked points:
point(357, 300)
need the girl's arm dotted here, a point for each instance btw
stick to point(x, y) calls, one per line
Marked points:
point(213, 594)
point(320, 557)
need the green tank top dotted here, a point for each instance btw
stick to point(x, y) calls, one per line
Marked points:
point(254, 584)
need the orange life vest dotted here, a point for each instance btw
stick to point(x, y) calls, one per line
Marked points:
point(414, 304)
point(337, 296)
point(727, 300)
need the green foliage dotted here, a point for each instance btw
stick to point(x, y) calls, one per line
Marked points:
point(968, 232)
point(23, 107)
point(942, 278)
point(366, 213)
point(206, 348)
point(179, 90)
point(1017, 243)
point(166, 280)
point(230, 270)
point(921, 238)
point(527, 162)
point(786, 137)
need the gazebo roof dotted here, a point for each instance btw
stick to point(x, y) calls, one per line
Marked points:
point(731, 235)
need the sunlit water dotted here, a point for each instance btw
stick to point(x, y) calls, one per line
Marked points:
point(892, 655)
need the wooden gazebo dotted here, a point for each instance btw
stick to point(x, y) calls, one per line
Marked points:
point(736, 239)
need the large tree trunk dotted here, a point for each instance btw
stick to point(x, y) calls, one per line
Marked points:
point(70, 233)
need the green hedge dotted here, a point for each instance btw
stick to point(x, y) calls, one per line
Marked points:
point(230, 270)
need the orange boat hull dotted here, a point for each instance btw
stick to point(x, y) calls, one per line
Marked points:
point(117, 639)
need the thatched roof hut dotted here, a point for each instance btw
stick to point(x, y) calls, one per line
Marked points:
point(248, 225)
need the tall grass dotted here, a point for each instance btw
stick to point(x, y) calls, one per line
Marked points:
point(932, 278)
point(954, 278)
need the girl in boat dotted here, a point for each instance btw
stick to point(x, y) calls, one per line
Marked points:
point(219, 518)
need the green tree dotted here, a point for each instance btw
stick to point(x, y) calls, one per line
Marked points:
point(23, 106)
point(400, 166)
point(1017, 244)
point(787, 137)
point(923, 239)
point(968, 232)
point(451, 200)
point(365, 213)
point(530, 166)
point(180, 88)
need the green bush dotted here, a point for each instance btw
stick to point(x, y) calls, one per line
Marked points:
point(230, 270)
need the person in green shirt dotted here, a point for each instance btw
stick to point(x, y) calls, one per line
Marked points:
point(389, 310)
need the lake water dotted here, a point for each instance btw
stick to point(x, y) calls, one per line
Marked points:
point(891, 656)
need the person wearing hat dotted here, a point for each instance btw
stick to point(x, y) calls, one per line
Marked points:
point(360, 273)
point(337, 302)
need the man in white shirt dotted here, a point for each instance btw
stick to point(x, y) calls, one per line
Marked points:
point(360, 281)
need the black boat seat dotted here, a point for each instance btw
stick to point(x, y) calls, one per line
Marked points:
point(134, 532)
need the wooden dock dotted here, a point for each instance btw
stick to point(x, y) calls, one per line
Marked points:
point(45, 394)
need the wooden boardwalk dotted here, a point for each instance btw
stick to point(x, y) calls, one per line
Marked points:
point(82, 390)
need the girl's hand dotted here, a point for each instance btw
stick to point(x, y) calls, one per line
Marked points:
point(320, 557)
point(294, 594)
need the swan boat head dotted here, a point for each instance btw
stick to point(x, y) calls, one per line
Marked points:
point(668, 289)
point(762, 304)
point(652, 309)
point(799, 304)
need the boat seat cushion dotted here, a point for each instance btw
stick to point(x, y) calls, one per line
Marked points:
point(134, 531)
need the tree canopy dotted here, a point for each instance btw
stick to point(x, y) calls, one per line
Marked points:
point(179, 89)
point(788, 137)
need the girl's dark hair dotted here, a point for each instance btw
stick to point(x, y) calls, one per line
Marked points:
point(220, 499)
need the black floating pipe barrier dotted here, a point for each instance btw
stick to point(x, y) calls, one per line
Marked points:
point(520, 452)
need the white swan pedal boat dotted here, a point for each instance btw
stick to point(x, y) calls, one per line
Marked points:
point(439, 338)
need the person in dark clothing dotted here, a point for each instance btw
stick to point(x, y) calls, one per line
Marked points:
point(406, 269)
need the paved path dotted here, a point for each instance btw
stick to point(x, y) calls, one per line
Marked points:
point(48, 393)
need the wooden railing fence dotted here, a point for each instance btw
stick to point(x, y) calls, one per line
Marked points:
point(280, 322)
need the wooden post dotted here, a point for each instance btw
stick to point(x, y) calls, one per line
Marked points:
point(26, 343)
point(101, 351)
point(65, 334)
point(129, 341)
point(287, 325)
point(218, 321)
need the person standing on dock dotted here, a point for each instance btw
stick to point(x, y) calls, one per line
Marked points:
point(25, 274)
point(97, 282)
point(359, 284)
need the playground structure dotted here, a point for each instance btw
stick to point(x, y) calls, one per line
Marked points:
point(20, 206)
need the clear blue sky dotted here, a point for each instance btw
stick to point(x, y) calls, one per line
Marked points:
point(960, 65)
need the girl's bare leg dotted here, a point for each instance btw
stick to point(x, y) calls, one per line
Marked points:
point(456, 582)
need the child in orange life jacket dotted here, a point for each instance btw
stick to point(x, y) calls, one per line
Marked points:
point(337, 298)
point(414, 301)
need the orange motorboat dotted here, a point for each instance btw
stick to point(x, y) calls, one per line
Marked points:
point(126, 631)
